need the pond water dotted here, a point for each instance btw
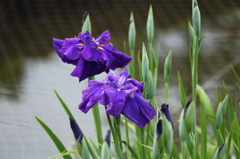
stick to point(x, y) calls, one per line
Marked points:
point(30, 69)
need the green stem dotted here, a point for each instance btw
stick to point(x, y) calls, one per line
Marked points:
point(115, 139)
point(97, 122)
point(166, 92)
point(117, 128)
point(127, 137)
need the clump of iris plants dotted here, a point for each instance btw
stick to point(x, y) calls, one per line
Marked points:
point(148, 126)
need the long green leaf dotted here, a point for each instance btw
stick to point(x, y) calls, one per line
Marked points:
point(235, 73)
point(64, 153)
point(54, 138)
point(131, 149)
point(64, 105)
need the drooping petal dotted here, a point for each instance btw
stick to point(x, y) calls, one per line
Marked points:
point(69, 42)
point(57, 44)
point(92, 95)
point(138, 110)
point(114, 58)
point(73, 52)
point(116, 100)
point(85, 69)
point(165, 110)
point(103, 38)
point(76, 130)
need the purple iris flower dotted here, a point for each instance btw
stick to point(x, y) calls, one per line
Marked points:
point(122, 95)
point(90, 56)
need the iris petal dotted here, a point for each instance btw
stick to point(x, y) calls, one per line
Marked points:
point(73, 52)
point(104, 37)
point(87, 38)
point(136, 83)
point(81, 37)
point(138, 110)
point(92, 54)
point(116, 100)
point(57, 44)
point(85, 69)
point(69, 42)
point(122, 78)
point(115, 58)
point(92, 95)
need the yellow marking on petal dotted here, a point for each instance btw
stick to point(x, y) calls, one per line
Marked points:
point(100, 48)
point(80, 44)
point(132, 95)
point(118, 89)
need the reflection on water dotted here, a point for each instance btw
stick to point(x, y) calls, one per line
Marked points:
point(30, 70)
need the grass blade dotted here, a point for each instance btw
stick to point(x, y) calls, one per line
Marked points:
point(54, 138)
